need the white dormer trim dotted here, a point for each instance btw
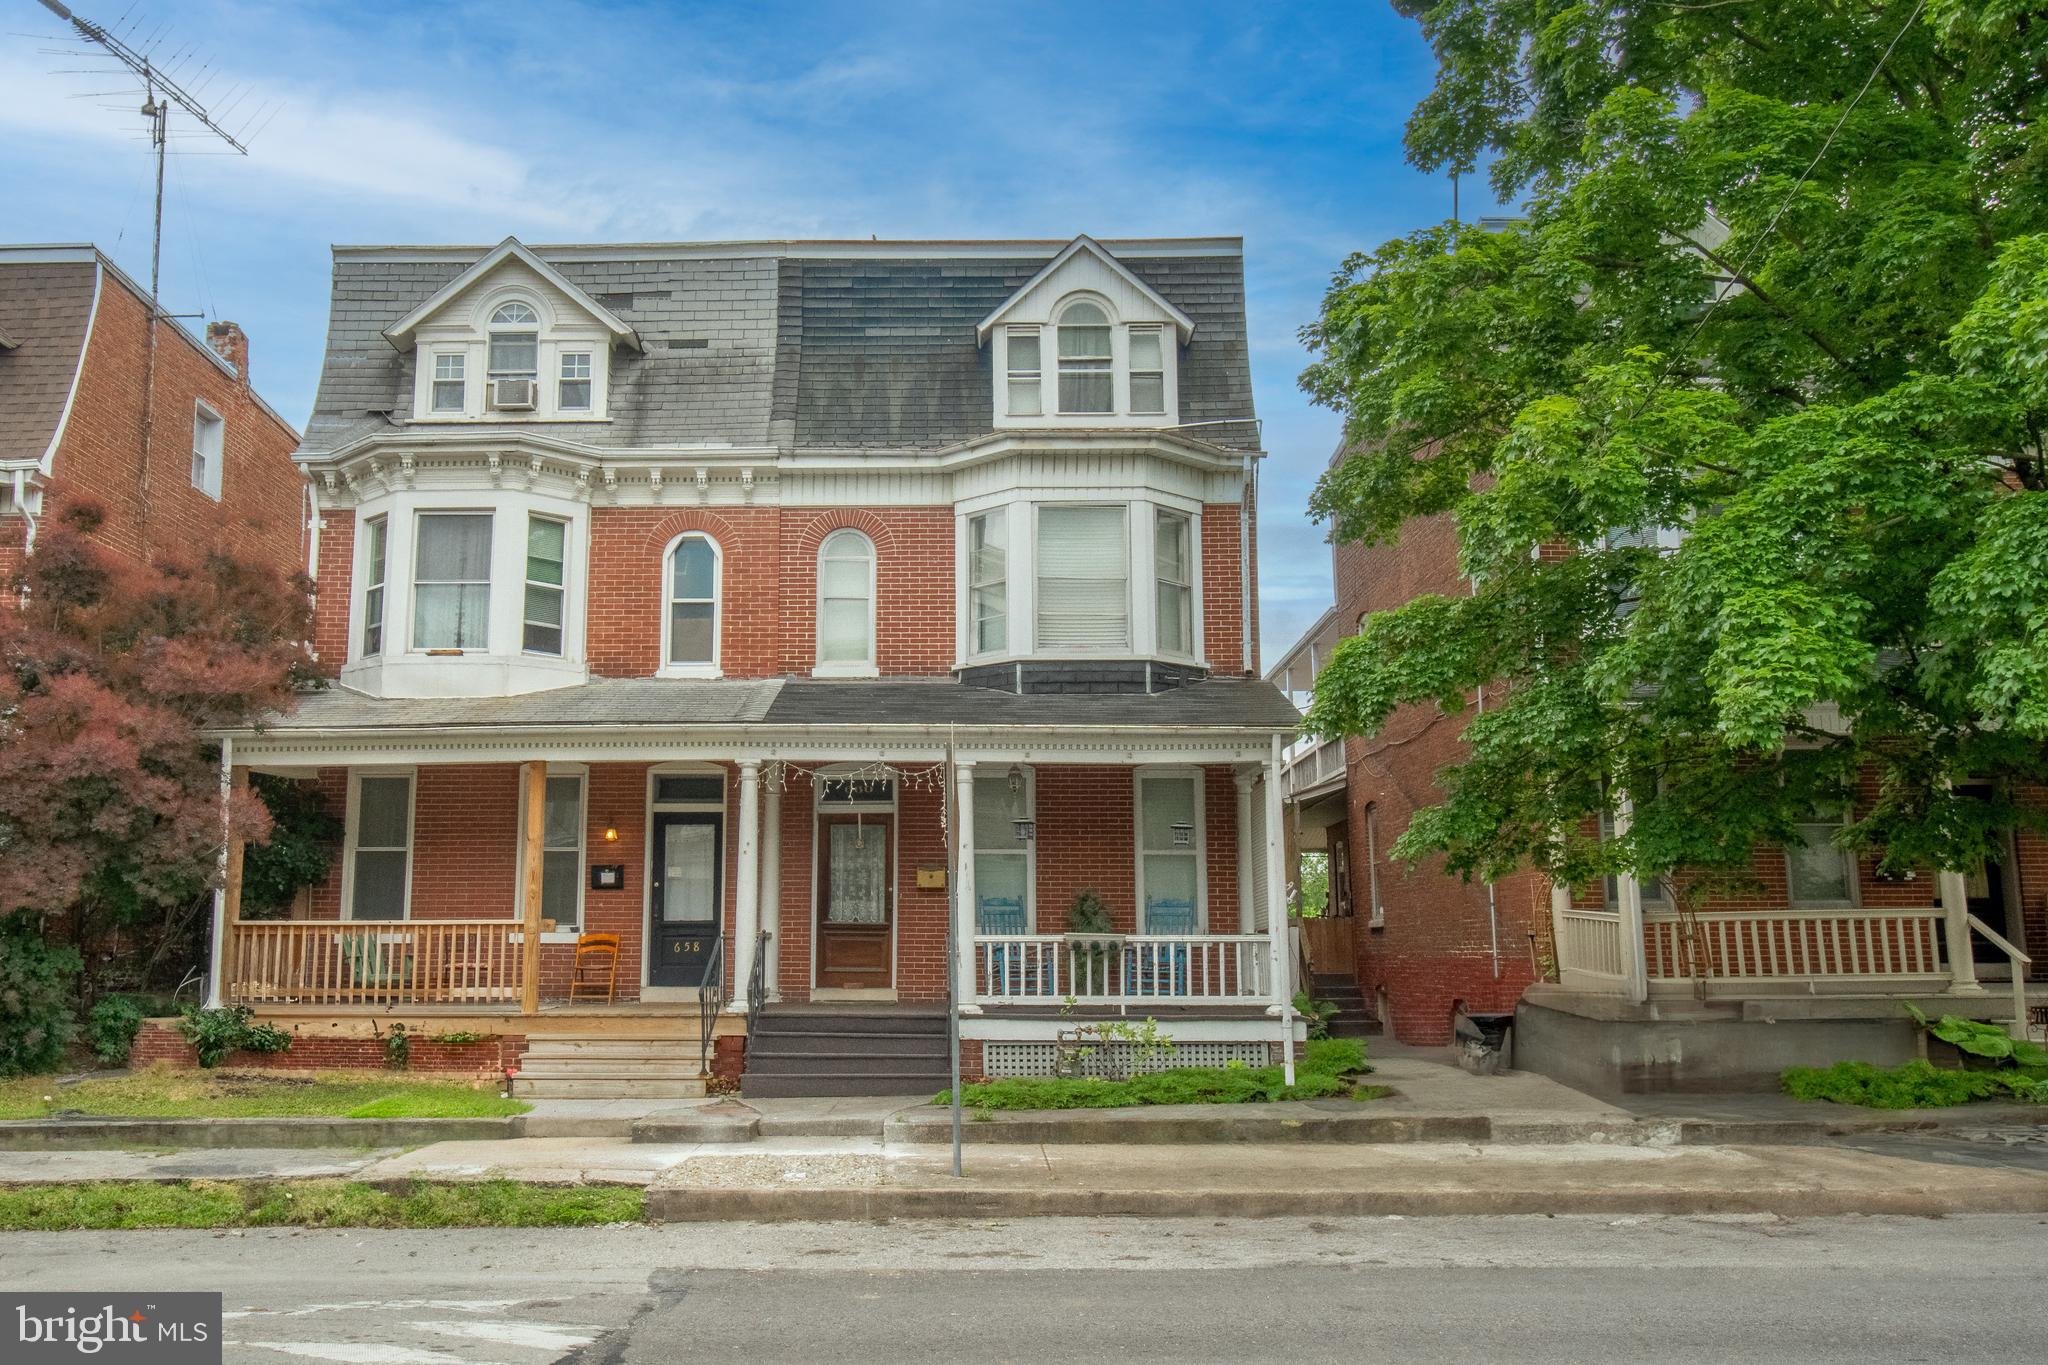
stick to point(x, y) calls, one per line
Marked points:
point(1182, 323)
point(401, 333)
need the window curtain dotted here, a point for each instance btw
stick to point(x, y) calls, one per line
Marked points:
point(452, 582)
point(860, 861)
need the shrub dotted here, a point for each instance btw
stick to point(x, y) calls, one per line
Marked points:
point(216, 1033)
point(1981, 1039)
point(111, 1026)
point(1316, 1014)
point(36, 1011)
point(1916, 1085)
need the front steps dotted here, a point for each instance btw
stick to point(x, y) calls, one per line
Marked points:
point(1354, 1017)
point(806, 1050)
point(567, 1066)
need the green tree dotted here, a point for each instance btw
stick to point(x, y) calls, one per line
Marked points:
point(1781, 287)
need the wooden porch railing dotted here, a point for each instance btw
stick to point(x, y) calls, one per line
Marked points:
point(1175, 969)
point(360, 962)
point(1875, 944)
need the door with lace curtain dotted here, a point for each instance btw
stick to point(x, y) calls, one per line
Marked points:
point(856, 901)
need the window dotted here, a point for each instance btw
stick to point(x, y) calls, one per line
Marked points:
point(1002, 861)
point(380, 865)
point(988, 587)
point(1173, 567)
point(373, 590)
point(846, 601)
point(1819, 871)
point(693, 601)
point(546, 551)
point(1169, 854)
point(688, 790)
point(575, 386)
point(1026, 378)
point(451, 581)
point(1086, 383)
point(561, 850)
point(1376, 913)
point(450, 391)
point(209, 439)
point(1148, 371)
point(515, 350)
point(1650, 893)
point(1083, 579)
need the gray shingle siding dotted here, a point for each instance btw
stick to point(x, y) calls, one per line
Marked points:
point(862, 352)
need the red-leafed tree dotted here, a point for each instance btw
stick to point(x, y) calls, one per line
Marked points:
point(110, 675)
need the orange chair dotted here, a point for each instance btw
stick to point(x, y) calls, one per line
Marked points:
point(597, 967)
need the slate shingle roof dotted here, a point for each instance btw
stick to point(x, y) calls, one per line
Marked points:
point(44, 308)
point(814, 351)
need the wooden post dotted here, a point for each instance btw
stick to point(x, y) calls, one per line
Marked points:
point(221, 987)
point(536, 819)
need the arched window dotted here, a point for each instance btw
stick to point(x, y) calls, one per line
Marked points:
point(1087, 383)
point(515, 342)
point(690, 575)
point(846, 603)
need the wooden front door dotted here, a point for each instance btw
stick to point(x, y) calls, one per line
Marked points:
point(856, 901)
point(686, 886)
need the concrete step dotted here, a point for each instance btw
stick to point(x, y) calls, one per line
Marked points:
point(846, 1063)
point(803, 1087)
point(840, 1044)
point(605, 1088)
point(622, 1068)
point(798, 1019)
point(661, 1051)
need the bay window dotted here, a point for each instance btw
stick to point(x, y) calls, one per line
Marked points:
point(1087, 381)
point(988, 587)
point(376, 533)
point(546, 555)
point(1083, 579)
point(1174, 583)
point(1169, 853)
point(451, 585)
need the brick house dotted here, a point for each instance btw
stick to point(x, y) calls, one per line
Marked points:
point(1613, 986)
point(176, 446)
point(796, 613)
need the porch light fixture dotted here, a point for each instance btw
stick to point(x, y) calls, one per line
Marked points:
point(611, 831)
point(1020, 820)
point(1026, 827)
point(1183, 834)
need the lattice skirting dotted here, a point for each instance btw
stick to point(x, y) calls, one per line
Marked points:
point(1114, 1059)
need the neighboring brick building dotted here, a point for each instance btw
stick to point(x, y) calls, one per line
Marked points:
point(189, 458)
point(753, 556)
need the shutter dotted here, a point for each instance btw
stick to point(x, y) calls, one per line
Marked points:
point(1083, 579)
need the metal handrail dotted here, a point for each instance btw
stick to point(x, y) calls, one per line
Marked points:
point(2020, 962)
point(757, 981)
point(710, 999)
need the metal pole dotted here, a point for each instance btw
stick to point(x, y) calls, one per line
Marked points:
point(953, 939)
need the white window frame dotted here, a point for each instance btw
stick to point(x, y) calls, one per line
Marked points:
point(1850, 878)
point(563, 357)
point(847, 668)
point(998, 778)
point(419, 518)
point(1108, 358)
point(1192, 636)
point(998, 516)
point(533, 327)
point(581, 773)
point(352, 827)
point(1198, 849)
point(206, 463)
point(1131, 370)
point(1131, 614)
point(1015, 375)
point(376, 585)
point(1376, 916)
point(527, 583)
point(460, 380)
point(694, 669)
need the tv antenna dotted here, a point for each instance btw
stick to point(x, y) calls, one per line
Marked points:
point(160, 90)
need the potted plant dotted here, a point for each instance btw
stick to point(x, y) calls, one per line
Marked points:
point(1092, 943)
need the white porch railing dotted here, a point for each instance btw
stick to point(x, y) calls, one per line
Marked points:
point(382, 962)
point(1589, 949)
point(1836, 946)
point(1178, 969)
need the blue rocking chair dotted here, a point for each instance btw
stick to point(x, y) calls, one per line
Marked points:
point(1008, 974)
point(1153, 969)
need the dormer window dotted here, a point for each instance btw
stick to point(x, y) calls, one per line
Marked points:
point(1026, 379)
point(1148, 371)
point(1087, 369)
point(515, 342)
point(575, 383)
point(451, 390)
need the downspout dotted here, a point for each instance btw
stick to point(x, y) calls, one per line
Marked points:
point(1246, 512)
point(28, 536)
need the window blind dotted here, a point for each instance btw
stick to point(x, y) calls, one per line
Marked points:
point(1083, 579)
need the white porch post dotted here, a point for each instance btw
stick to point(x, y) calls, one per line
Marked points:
point(771, 885)
point(963, 888)
point(1955, 908)
point(1276, 910)
point(747, 893)
point(1635, 967)
point(1247, 923)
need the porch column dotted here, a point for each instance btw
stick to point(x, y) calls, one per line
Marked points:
point(1635, 967)
point(1246, 883)
point(1962, 959)
point(771, 885)
point(227, 901)
point(1276, 910)
point(530, 861)
point(747, 892)
point(963, 888)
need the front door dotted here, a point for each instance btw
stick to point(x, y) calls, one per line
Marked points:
point(1985, 890)
point(686, 890)
point(855, 902)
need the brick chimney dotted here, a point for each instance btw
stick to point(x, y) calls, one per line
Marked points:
point(231, 344)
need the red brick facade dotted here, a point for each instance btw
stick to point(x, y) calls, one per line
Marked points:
point(159, 1042)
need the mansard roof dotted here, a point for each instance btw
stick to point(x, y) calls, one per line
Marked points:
point(793, 345)
point(511, 249)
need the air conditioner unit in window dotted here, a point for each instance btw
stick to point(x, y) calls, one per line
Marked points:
point(513, 395)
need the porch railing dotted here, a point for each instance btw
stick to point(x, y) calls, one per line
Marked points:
point(409, 962)
point(1223, 969)
point(1589, 948)
point(1843, 945)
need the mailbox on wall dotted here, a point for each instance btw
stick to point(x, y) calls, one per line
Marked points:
point(607, 876)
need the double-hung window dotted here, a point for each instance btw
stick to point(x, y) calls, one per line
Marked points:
point(377, 533)
point(1818, 870)
point(1148, 371)
point(693, 601)
point(988, 581)
point(546, 553)
point(1087, 380)
point(1025, 375)
point(380, 868)
point(515, 342)
point(846, 601)
point(1083, 579)
point(1169, 853)
point(451, 581)
point(209, 444)
point(1173, 561)
point(574, 389)
point(561, 850)
point(450, 382)
point(1002, 861)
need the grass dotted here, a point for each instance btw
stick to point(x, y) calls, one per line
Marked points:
point(1326, 1070)
point(163, 1093)
point(1916, 1085)
point(313, 1204)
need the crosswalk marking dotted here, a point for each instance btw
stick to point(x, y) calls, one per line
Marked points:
point(540, 1336)
point(359, 1352)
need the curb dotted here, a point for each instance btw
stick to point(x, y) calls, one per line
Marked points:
point(85, 1135)
point(1143, 1127)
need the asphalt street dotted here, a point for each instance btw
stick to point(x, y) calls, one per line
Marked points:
point(1526, 1290)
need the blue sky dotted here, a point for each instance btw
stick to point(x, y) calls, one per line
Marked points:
point(566, 121)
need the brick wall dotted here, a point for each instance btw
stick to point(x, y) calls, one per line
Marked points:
point(159, 1042)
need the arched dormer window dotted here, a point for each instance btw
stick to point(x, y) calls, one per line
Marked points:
point(691, 573)
point(515, 342)
point(1087, 367)
point(846, 604)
